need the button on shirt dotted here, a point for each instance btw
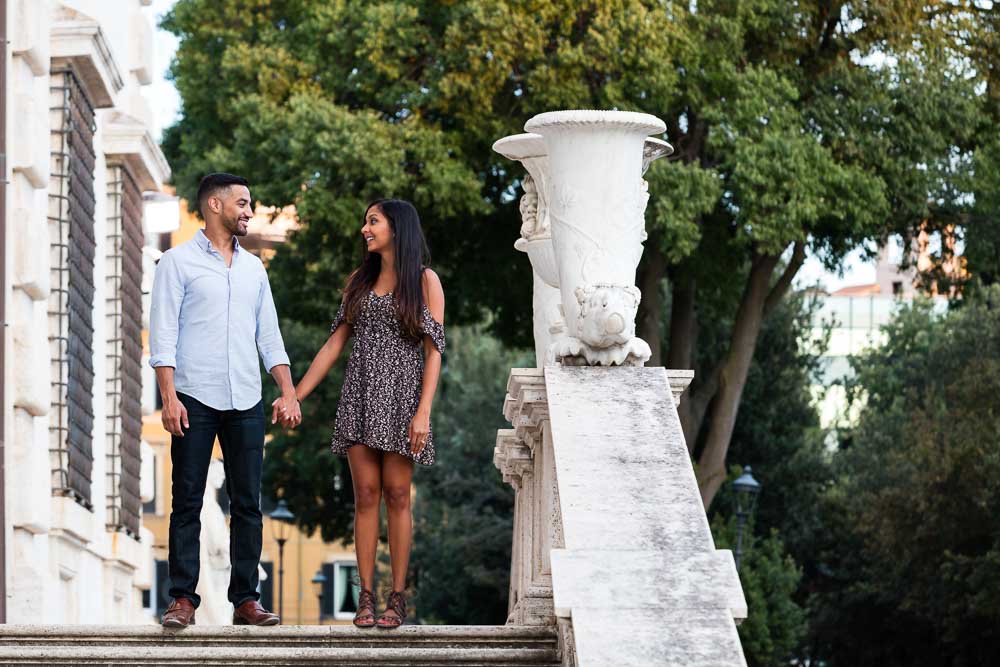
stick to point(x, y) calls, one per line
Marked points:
point(208, 322)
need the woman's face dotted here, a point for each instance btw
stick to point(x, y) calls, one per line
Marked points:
point(376, 232)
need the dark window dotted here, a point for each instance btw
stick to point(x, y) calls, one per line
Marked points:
point(340, 594)
point(267, 587)
point(147, 598)
point(71, 331)
point(897, 288)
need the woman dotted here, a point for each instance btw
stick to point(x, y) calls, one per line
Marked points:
point(394, 307)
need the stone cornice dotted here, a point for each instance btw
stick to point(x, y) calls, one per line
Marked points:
point(679, 381)
point(77, 40)
point(127, 140)
point(511, 457)
point(526, 404)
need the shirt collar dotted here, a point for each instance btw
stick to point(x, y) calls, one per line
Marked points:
point(207, 246)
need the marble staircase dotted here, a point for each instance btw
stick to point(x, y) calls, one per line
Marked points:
point(411, 645)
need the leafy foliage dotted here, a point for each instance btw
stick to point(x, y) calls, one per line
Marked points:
point(915, 542)
point(775, 623)
point(778, 433)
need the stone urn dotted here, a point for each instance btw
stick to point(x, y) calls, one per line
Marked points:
point(595, 199)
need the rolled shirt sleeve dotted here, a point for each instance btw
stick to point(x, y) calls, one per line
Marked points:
point(269, 342)
point(164, 312)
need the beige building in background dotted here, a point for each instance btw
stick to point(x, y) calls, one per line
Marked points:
point(854, 316)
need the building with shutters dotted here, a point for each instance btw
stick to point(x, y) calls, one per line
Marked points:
point(78, 157)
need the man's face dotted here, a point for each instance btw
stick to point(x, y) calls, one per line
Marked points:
point(236, 209)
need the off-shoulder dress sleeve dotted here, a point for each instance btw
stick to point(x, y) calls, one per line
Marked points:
point(434, 329)
point(341, 318)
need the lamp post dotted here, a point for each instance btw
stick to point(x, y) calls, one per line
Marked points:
point(319, 580)
point(281, 519)
point(747, 489)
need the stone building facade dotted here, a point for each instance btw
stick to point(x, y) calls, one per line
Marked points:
point(79, 156)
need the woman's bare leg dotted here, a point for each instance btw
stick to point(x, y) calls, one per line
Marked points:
point(397, 473)
point(366, 473)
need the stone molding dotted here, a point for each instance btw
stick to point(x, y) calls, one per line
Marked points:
point(141, 49)
point(31, 255)
point(78, 40)
point(30, 41)
point(30, 144)
point(126, 139)
point(679, 381)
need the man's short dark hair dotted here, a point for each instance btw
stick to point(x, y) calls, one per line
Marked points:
point(213, 183)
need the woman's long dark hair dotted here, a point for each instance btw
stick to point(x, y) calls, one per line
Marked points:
point(412, 255)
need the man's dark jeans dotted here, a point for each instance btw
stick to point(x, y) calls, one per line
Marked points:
point(241, 434)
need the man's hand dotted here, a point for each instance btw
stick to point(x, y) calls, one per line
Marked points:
point(174, 416)
point(285, 409)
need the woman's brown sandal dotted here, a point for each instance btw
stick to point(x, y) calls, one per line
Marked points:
point(365, 616)
point(396, 604)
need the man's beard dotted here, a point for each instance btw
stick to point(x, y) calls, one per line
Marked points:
point(236, 230)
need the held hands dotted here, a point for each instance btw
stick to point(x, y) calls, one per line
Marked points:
point(285, 409)
point(420, 427)
point(174, 416)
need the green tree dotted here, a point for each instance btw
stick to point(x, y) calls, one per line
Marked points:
point(775, 623)
point(778, 433)
point(790, 136)
point(913, 556)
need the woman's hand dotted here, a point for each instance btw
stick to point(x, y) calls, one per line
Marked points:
point(285, 409)
point(420, 428)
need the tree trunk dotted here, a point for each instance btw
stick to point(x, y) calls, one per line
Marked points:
point(651, 274)
point(759, 298)
point(682, 343)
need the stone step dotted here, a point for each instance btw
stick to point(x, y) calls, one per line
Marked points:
point(414, 645)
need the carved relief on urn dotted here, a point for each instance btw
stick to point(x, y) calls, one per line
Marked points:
point(596, 199)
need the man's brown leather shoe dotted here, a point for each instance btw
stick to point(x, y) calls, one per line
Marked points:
point(179, 614)
point(252, 613)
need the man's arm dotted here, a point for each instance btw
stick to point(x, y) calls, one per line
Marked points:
point(164, 315)
point(272, 351)
point(174, 415)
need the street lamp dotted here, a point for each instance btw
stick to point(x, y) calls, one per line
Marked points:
point(281, 520)
point(747, 489)
point(319, 580)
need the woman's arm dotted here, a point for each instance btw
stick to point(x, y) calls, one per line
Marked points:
point(420, 426)
point(323, 361)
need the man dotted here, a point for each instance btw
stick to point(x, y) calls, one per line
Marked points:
point(211, 312)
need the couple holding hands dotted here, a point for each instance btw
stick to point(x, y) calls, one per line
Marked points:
point(212, 314)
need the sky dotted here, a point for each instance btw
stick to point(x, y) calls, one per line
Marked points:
point(162, 94)
point(166, 104)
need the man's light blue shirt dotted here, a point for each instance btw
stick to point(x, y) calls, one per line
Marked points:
point(208, 322)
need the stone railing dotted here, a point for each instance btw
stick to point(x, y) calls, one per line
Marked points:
point(525, 457)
